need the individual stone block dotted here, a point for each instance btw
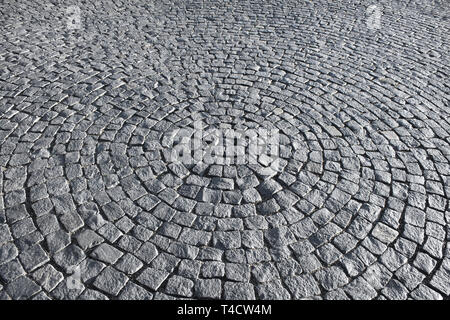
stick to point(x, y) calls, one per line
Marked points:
point(48, 277)
point(208, 288)
point(33, 257)
point(22, 288)
point(180, 286)
point(152, 278)
point(106, 253)
point(238, 291)
point(110, 281)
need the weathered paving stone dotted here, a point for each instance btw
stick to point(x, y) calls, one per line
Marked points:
point(227, 239)
point(337, 294)
point(377, 276)
point(152, 278)
point(302, 286)
point(47, 224)
point(265, 272)
point(182, 250)
point(208, 288)
point(11, 270)
point(359, 289)
point(114, 171)
point(129, 264)
point(90, 294)
point(69, 257)
point(213, 269)
point(392, 259)
point(237, 272)
point(132, 291)
point(280, 236)
point(22, 288)
point(179, 286)
point(425, 293)
point(424, 262)
point(331, 278)
point(189, 268)
point(273, 290)
point(440, 281)
point(48, 277)
point(41, 296)
point(238, 291)
point(8, 251)
point(110, 281)
point(5, 235)
point(33, 257)
point(88, 239)
point(395, 290)
point(88, 269)
point(57, 241)
point(63, 204)
point(113, 211)
point(106, 253)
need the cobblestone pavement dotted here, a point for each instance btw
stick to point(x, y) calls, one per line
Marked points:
point(91, 208)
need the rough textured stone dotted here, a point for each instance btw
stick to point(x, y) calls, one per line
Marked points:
point(169, 150)
point(208, 288)
point(238, 291)
point(110, 281)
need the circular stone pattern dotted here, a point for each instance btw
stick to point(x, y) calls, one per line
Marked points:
point(94, 206)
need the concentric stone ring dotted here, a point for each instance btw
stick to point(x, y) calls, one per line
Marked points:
point(350, 201)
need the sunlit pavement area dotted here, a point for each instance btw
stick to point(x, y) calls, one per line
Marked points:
point(92, 207)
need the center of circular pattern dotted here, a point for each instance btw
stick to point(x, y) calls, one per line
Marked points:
point(227, 206)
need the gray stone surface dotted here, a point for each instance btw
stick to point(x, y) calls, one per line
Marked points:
point(92, 206)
